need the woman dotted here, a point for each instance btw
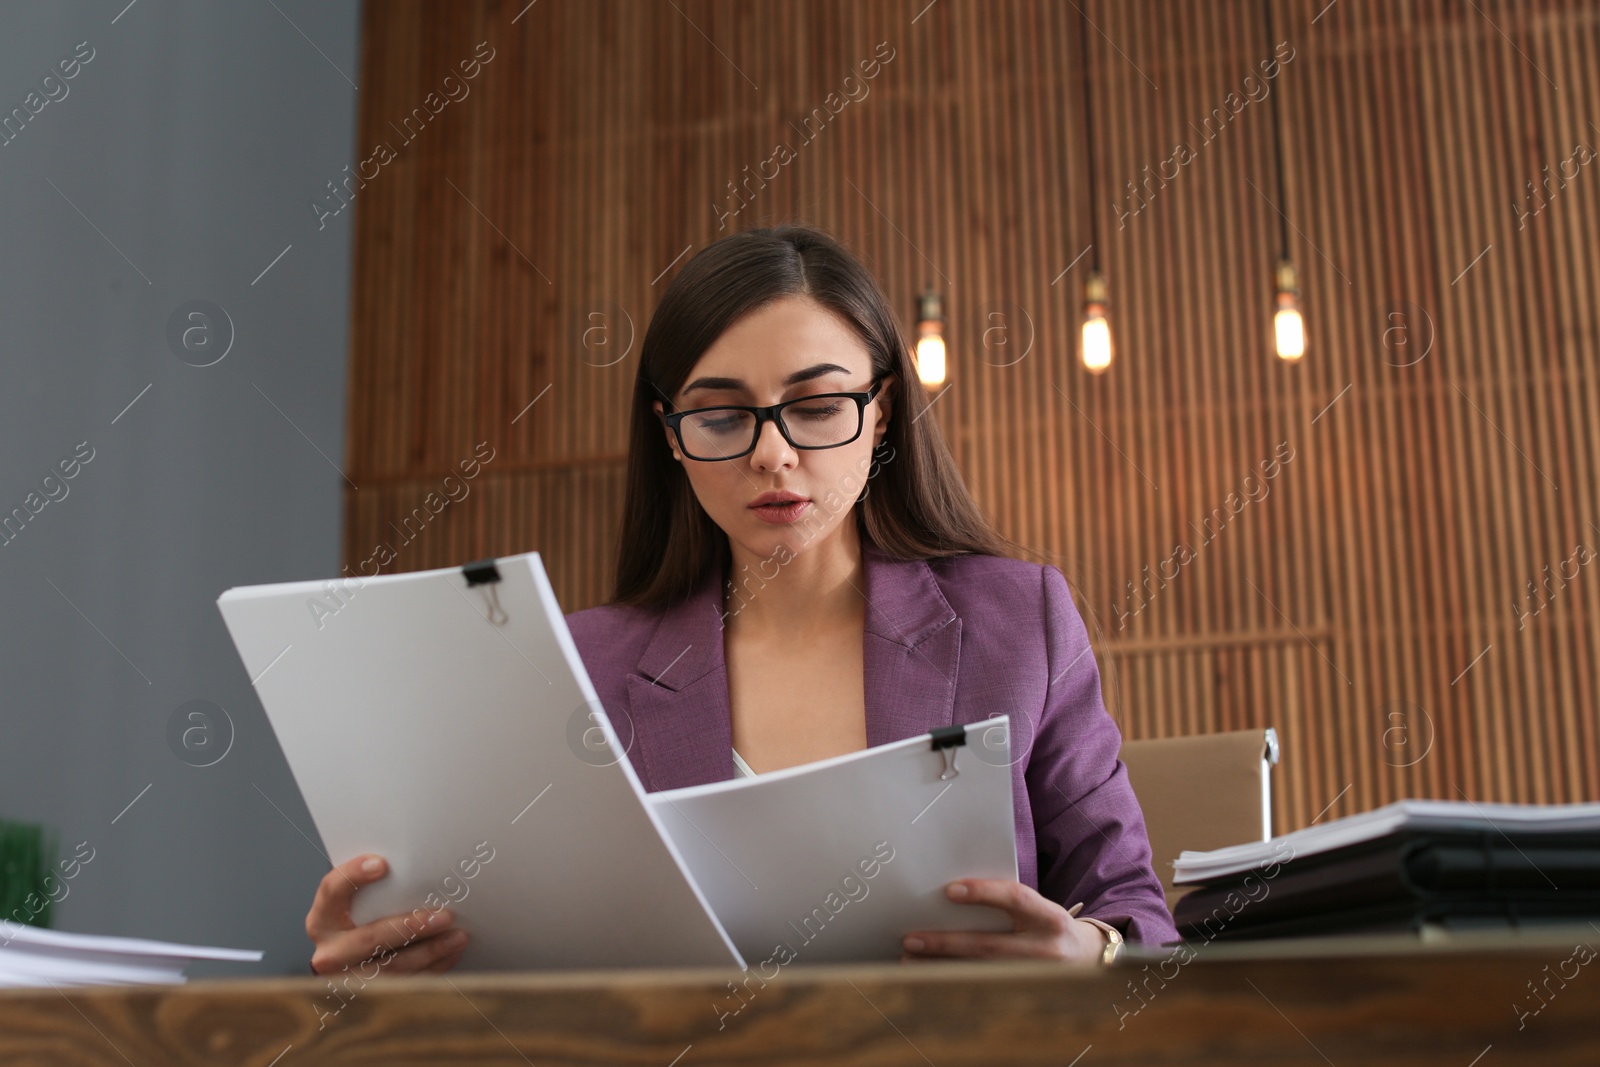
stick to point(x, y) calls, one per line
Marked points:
point(802, 574)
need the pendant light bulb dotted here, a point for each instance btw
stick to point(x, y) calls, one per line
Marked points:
point(1096, 345)
point(1288, 326)
point(930, 340)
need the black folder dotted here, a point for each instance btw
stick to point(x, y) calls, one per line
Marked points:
point(1399, 882)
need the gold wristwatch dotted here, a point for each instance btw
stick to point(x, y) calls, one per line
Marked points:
point(1113, 935)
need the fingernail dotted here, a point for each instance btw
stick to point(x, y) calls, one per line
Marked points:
point(456, 937)
point(914, 944)
point(373, 865)
point(958, 891)
point(439, 919)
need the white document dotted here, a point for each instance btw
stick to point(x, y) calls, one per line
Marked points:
point(452, 728)
point(1392, 818)
point(456, 747)
point(837, 860)
point(30, 956)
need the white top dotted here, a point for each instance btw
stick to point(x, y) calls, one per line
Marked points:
point(741, 769)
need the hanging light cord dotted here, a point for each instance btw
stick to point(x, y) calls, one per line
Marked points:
point(1277, 144)
point(1088, 136)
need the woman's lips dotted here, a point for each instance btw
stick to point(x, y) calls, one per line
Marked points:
point(783, 513)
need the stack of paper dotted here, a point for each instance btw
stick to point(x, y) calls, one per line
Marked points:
point(444, 720)
point(1402, 815)
point(30, 956)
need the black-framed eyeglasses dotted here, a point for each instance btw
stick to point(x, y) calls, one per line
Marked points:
point(822, 420)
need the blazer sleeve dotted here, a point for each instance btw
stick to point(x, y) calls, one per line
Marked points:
point(1090, 832)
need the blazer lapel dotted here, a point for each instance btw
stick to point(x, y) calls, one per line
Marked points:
point(679, 694)
point(912, 649)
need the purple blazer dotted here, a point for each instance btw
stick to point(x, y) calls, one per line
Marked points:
point(947, 641)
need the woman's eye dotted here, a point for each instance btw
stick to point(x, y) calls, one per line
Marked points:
point(721, 423)
point(818, 411)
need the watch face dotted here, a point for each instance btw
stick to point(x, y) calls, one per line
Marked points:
point(1113, 938)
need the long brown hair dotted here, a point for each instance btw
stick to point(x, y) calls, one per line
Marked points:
point(918, 506)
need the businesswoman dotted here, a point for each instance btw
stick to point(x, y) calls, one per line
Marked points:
point(802, 573)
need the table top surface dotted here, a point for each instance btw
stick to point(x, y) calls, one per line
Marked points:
point(1476, 1000)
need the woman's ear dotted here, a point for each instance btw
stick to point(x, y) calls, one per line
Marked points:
point(885, 402)
point(672, 444)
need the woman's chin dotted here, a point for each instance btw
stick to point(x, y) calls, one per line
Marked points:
point(765, 548)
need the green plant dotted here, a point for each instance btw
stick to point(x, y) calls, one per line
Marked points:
point(26, 858)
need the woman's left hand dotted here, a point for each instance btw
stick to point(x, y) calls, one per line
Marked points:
point(1041, 928)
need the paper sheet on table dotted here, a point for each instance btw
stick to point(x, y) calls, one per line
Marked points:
point(461, 750)
point(1417, 815)
point(32, 956)
point(839, 859)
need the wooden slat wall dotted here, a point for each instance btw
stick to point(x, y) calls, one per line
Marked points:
point(1363, 603)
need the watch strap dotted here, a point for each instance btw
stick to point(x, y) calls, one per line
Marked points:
point(1113, 936)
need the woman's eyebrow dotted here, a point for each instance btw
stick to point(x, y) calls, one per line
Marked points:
point(796, 378)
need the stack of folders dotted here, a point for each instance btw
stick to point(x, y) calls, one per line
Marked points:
point(30, 956)
point(1411, 866)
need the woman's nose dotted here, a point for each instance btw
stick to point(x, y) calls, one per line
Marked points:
point(772, 451)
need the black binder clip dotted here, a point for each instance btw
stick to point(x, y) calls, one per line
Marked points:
point(945, 741)
point(486, 574)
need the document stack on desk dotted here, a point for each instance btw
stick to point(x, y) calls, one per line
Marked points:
point(1410, 865)
point(31, 956)
point(444, 719)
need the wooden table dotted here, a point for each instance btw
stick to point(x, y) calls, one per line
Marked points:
point(1469, 1003)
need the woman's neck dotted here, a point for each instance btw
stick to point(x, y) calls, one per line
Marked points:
point(817, 589)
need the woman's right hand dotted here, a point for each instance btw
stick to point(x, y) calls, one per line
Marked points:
point(408, 943)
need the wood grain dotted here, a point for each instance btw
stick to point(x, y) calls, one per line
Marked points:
point(1389, 560)
point(1445, 1008)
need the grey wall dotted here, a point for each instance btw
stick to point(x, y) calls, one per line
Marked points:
point(180, 162)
